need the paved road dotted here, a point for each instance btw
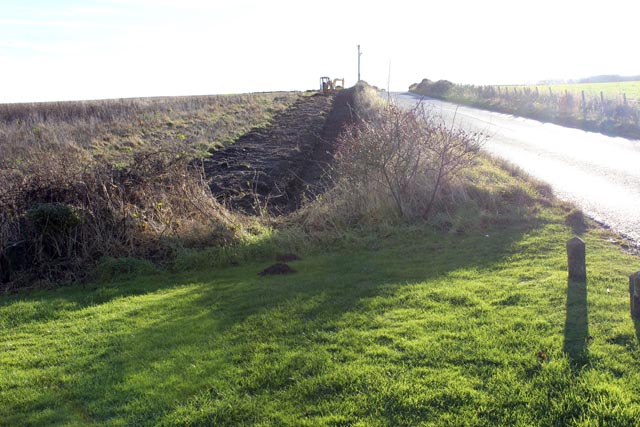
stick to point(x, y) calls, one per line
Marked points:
point(600, 174)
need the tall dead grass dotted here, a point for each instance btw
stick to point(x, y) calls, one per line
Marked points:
point(368, 103)
point(63, 207)
point(61, 211)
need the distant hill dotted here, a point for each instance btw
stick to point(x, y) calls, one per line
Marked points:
point(609, 78)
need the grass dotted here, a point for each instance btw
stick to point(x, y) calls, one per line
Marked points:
point(112, 129)
point(610, 90)
point(388, 326)
point(564, 105)
point(131, 168)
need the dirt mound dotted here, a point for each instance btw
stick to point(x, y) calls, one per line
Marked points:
point(271, 168)
point(279, 268)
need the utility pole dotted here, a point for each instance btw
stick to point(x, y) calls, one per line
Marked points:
point(359, 55)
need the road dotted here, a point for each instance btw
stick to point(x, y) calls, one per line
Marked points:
point(598, 173)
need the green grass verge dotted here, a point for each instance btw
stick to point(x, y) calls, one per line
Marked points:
point(401, 326)
point(610, 90)
point(610, 115)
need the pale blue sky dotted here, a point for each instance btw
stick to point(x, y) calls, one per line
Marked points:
point(72, 49)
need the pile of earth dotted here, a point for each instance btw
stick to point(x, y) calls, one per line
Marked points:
point(274, 168)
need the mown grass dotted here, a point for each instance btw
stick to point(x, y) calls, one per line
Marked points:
point(389, 325)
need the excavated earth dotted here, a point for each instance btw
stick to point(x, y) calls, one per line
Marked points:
point(272, 169)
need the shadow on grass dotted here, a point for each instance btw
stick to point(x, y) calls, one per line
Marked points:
point(634, 302)
point(262, 326)
point(576, 326)
point(253, 332)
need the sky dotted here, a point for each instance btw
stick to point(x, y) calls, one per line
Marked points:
point(53, 50)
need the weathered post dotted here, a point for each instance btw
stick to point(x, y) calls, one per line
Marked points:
point(634, 294)
point(576, 257)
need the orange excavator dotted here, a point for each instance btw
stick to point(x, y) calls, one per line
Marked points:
point(328, 86)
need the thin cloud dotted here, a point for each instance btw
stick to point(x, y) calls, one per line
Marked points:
point(65, 24)
point(45, 48)
point(89, 11)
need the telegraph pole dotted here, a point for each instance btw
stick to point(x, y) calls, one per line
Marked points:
point(359, 55)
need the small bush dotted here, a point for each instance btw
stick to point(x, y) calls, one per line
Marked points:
point(437, 89)
point(53, 218)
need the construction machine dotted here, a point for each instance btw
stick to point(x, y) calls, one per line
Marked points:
point(328, 86)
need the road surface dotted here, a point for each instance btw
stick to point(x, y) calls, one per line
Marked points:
point(599, 174)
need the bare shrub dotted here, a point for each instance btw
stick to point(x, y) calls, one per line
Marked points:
point(70, 211)
point(403, 160)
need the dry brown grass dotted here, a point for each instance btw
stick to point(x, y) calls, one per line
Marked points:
point(143, 209)
point(84, 180)
point(403, 160)
point(112, 129)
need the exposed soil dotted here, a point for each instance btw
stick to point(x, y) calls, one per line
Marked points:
point(279, 268)
point(272, 169)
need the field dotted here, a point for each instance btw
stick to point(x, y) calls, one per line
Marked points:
point(384, 326)
point(608, 113)
point(112, 129)
point(122, 177)
point(451, 311)
point(610, 90)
